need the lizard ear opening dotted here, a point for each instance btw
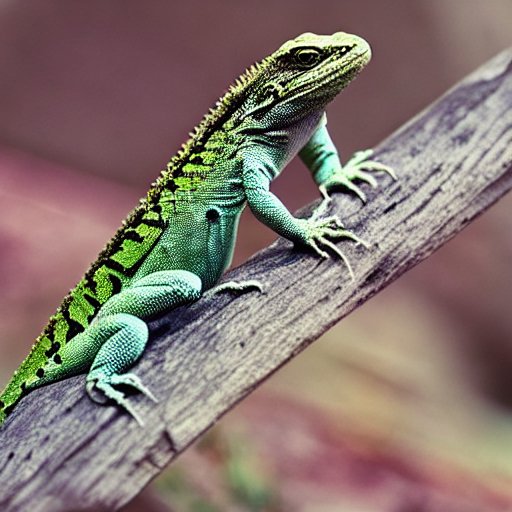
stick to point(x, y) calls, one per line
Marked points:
point(212, 215)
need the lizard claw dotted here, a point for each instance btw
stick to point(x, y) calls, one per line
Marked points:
point(322, 207)
point(360, 156)
point(132, 380)
point(317, 235)
point(100, 389)
point(357, 168)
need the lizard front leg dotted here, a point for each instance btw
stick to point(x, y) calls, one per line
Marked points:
point(321, 157)
point(314, 232)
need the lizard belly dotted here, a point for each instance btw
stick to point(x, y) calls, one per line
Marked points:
point(201, 242)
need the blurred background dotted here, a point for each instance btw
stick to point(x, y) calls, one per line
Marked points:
point(406, 406)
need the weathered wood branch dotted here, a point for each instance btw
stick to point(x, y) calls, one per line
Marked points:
point(61, 452)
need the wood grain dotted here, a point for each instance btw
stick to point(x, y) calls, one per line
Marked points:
point(61, 452)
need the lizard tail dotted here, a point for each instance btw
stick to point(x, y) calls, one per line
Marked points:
point(15, 390)
point(27, 377)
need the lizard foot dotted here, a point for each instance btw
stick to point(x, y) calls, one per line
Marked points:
point(359, 167)
point(130, 379)
point(318, 232)
point(105, 386)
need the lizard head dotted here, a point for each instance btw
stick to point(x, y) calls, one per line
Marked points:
point(303, 75)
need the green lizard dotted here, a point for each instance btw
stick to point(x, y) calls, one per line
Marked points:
point(178, 242)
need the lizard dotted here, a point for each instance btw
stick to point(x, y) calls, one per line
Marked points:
point(176, 244)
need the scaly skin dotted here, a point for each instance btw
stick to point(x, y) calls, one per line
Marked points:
point(179, 240)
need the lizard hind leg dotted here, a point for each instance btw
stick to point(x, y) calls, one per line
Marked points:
point(122, 335)
point(117, 354)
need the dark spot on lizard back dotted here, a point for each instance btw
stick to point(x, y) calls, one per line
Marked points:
point(116, 283)
point(90, 282)
point(114, 265)
point(133, 235)
point(197, 159)
point(171, 185)
point(92, 301)
point(154, 223)
point(53, 349)
point(74, 329)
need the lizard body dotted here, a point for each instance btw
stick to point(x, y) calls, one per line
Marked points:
point(179, 240)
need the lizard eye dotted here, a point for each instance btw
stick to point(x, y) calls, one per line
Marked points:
point(307, 57)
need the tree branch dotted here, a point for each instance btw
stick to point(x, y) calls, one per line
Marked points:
point(60, 451)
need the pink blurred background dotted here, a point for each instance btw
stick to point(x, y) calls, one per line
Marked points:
point(407, 404)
